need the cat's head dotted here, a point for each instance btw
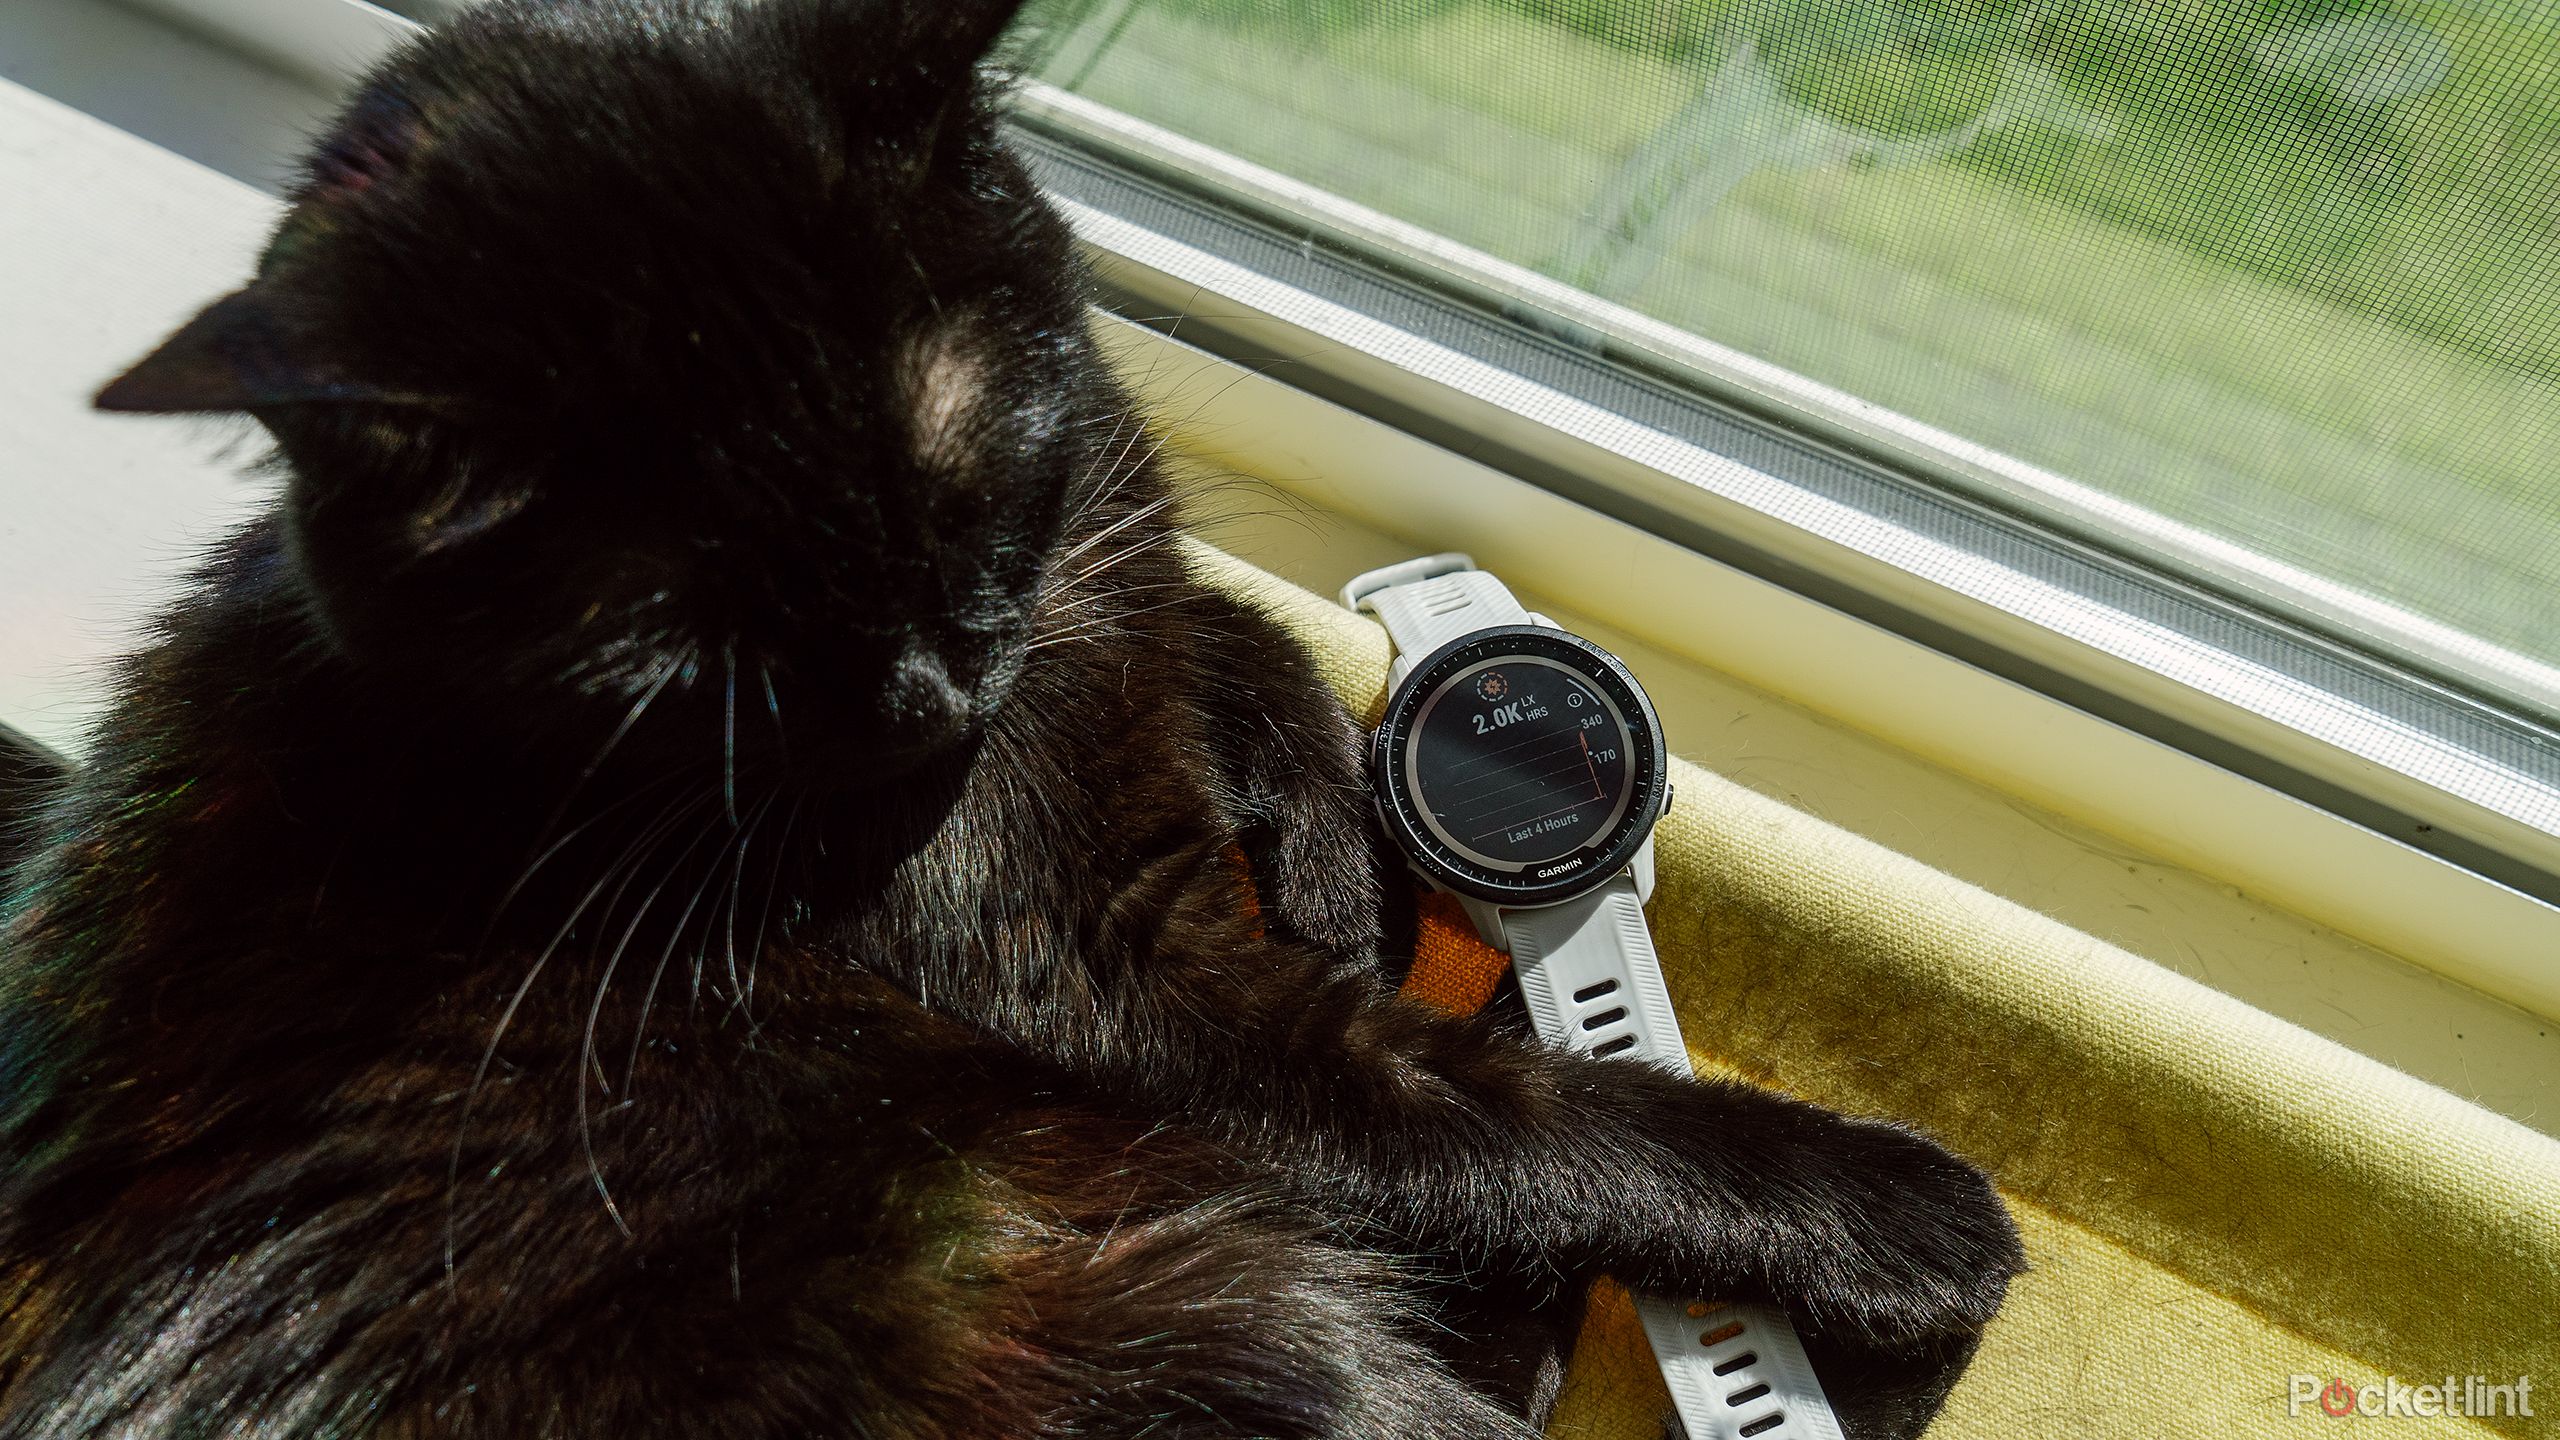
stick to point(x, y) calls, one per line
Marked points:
point(706, 350)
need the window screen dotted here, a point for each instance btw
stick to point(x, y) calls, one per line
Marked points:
point(2288, 272)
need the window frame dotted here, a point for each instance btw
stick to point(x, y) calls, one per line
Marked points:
point(2376, 738)
point(325, 41)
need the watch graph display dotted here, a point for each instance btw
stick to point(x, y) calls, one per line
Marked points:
point(1519, 763)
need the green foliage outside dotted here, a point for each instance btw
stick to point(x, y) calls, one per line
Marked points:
point(2287, 269)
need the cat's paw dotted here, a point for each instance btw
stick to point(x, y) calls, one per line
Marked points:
point(1903, 1241)
point(1865, 1230)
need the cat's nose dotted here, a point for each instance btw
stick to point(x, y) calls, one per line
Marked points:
point(928, 703)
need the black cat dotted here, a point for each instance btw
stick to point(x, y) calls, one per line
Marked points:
point(682, 881)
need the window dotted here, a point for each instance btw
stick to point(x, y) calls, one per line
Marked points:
point(2184, 365)
point(2280, 272)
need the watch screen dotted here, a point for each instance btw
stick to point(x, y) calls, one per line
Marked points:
point(1517, 761)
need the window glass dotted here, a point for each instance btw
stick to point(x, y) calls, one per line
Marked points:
point(2287, 271)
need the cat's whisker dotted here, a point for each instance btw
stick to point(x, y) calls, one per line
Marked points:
point(1067, 611)
point(1089, 491)
point(1154, 449)
point(1164, 430)
point(525, 877)
point(506, 1017)
point(675, 661)
point(1119, 421)
point(1076, 551)
point(639, 707)
point(1147, 511)
point(1052, 613)
point(675, 937)
point(1097, 569)
point(745, 1002)
point(1092, 598)
point(729, 729)
point(1123, 557)
point(1128, 468)
point(1115, 473)
point(1119, 461)
point(655, 833)
point(729, 924)
point(595, 1010)
point(1103, 626)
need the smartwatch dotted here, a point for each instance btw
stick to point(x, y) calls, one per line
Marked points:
point(1521, 769)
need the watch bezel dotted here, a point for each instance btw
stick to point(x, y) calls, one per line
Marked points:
point(1610, 854)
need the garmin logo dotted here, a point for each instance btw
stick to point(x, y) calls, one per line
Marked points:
point(1554, 870)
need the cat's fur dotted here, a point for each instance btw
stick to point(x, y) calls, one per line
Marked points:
point(28, 774)
point(681, 883)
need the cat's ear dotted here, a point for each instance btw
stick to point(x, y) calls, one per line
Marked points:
point(244, 352)
point(902, 73)
point(949, 39)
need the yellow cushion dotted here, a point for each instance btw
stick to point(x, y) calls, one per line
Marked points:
point(2215, 1201)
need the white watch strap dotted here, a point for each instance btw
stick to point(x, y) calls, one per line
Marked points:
point(1429, 602)
point(1741, 1373)
point(1588, 971)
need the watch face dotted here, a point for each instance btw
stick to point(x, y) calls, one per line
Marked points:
point(1522, 765)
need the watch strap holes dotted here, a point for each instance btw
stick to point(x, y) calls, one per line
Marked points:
point(1605, 1018)
point(1589, 993)
point(1442, 598)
